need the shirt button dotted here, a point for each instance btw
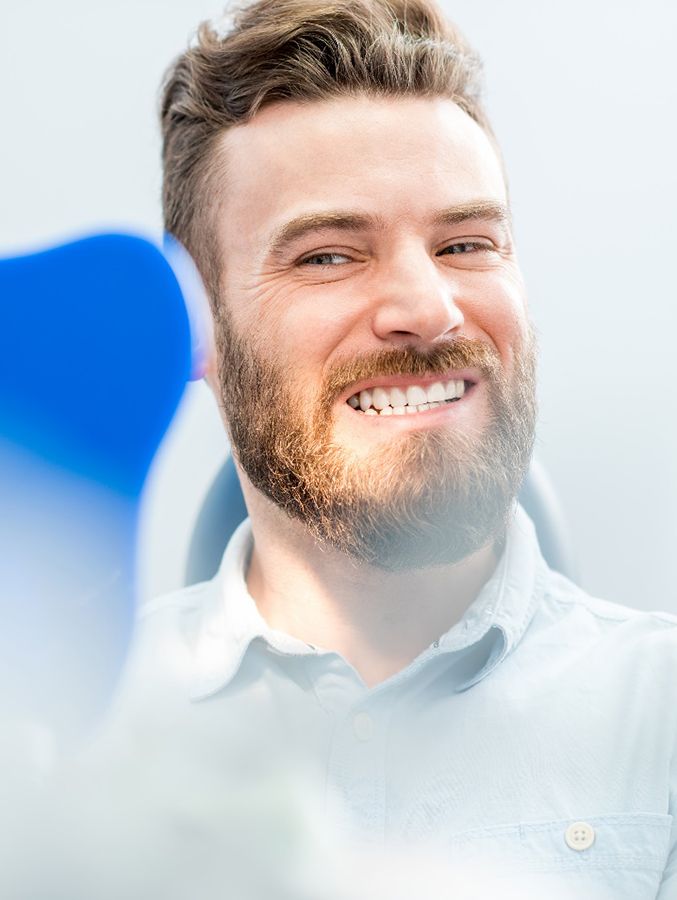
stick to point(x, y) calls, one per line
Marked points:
point(363, 726)
point(580, 836)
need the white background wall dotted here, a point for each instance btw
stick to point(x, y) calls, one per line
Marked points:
point(583, 97)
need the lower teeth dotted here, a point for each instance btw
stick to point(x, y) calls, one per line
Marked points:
point(388, 411)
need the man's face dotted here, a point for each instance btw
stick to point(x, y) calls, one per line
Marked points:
point(368, 264)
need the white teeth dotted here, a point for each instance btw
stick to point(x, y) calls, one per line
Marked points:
point(454, 389)
point(380, 398)
point(436, 393)
point(397, 397)
point(416, 395)
point(370, 412)
point(395, 401)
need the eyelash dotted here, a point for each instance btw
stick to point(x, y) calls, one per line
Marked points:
point(308, 259)
point(476, 246)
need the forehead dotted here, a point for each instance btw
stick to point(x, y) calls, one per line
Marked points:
point(392, 157)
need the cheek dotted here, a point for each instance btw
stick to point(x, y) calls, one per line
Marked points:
point(501, 313)
point(302, 328)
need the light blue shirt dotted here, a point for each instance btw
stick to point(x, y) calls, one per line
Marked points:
point(536, 738)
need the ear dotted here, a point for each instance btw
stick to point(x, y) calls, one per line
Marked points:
point(210, 373)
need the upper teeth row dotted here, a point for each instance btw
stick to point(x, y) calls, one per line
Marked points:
point(415, 395)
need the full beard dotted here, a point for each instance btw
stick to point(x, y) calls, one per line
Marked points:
point(427, 498)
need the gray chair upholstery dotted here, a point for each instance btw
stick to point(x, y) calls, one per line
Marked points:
point(224, 509)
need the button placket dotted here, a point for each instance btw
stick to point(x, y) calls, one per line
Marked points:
point(356, 771)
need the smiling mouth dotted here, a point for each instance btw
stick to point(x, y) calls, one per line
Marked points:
point(401, 401)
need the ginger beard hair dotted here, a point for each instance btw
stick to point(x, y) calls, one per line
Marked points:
point(425, 498)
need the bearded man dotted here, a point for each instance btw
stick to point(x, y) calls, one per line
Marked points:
point(384, 622)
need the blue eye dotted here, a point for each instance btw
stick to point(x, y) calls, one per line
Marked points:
point(324, 259)
point(464, 247)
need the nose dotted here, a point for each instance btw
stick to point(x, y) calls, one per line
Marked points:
point(416, 300)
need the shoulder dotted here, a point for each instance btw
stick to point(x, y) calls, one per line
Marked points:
point(175, 618)
point(161, 653)
point(174, 613)
point(564, 594)
point(588, 621)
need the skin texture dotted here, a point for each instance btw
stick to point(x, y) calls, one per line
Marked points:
point(329, 306)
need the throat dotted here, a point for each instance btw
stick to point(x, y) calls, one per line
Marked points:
point(378, 622)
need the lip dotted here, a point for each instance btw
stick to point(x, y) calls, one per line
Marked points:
point(471, 376)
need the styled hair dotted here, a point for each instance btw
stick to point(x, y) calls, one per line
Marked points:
point(297, 50)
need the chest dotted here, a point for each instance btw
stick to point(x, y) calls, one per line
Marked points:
point(566, 779)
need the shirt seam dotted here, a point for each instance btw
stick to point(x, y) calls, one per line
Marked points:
point(621, 616)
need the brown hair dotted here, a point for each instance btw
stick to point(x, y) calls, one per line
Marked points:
point(300, 50)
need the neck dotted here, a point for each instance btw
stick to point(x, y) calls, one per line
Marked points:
point(378, 621)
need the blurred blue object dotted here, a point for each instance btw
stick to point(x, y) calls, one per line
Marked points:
point(95, 353)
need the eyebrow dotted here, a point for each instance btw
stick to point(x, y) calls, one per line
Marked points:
point(340, 220)
point(483, 210)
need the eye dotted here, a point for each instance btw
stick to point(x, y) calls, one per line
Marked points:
point(464, 248)
point(325, 259)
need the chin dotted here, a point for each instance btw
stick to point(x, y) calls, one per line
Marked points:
point(429, 501)
point(424, 540)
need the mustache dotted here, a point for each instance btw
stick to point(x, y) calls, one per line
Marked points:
point(461, 353)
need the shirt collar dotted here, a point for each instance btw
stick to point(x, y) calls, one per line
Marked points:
point(508, 601)
point(231, 621)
